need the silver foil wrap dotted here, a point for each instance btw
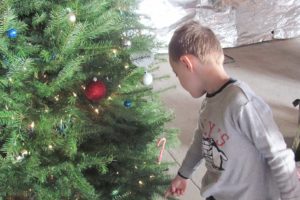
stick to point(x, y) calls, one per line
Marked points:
point(235, 22)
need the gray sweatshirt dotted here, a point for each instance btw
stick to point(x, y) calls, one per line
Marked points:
point(244, 152)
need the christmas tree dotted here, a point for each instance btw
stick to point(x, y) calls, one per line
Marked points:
point(79, 117)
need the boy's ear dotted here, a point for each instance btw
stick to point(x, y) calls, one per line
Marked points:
point(187, 60)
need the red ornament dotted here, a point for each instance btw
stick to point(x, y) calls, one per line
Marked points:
point(95, 90)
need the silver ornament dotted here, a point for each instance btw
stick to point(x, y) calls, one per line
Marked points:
point(147, 79)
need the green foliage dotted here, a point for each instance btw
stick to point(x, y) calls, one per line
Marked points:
point(54, 142)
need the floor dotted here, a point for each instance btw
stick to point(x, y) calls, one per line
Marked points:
point(272, 69)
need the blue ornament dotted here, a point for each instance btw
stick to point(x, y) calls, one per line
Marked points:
point(127, 103)
point(12, 33)
point(61, 128)
point(53, 56)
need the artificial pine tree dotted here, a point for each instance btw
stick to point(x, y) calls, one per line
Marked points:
point(77, 121)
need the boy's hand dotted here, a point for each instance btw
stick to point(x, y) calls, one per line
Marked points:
point(177, 187)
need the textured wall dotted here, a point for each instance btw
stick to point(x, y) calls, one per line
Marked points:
point(236, 22)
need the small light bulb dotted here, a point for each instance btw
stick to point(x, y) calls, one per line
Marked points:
point(32, 125)
point(141, 182)
point(74, 94)
point(115, 51)
point(119, 86)
point(56, 98)
point(151, 176)
point(126, 66)
point(50, 147)
point(97, 110)
point(109, 98)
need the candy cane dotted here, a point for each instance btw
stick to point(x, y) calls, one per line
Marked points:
point(161, 142)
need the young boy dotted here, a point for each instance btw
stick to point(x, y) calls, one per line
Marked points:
point(245, 154)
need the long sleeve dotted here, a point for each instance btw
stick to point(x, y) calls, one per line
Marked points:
point(193, 156)
point(256, 121)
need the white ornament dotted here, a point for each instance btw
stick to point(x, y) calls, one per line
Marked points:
point(147, 79)
point(72, 17)
point(142, 59)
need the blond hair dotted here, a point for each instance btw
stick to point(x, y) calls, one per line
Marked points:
point(200, 41)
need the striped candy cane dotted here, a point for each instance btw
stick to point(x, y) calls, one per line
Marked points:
point(161, 142)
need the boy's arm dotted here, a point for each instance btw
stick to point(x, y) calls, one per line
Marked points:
point(193, 157)
point(256, 121)
point(189, 165)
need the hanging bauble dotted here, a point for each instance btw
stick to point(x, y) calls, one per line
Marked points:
point(12, 33)
point(72, 17)
point(95, 90)
point(147, 79)
point(127, 103)
point(61, 128)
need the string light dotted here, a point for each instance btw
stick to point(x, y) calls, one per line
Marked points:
point(151, 177)
point(119, 86)
point(50, 147)
point(31, 126)
point(74, 94)
point(115, 51)
point(10, 80)
point(126, 66)
point(97, 110)
point(83, 87)
point(141, 183)
point(56, 98)
point(109, 98)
